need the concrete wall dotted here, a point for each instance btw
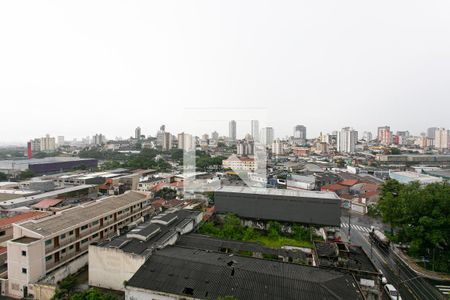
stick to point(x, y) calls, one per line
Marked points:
point(44, 292)
point(68, 269)
point(110, 267)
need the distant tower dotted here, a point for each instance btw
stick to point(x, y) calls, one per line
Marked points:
point(137, 133)
point(300, 134)
point(232, 130)
point(255, 130)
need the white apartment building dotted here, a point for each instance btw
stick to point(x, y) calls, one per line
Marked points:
point(40, 247)
point(267, 136)
point(239, 163)
point(346, 140)
point(185, 141)
point(441, 138)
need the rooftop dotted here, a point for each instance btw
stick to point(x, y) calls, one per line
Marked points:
point(46, 203)
point(205, 274)
point(81, 214)
point(22, 217)
point(36, 198)
point(278, 192)
point(148, 236)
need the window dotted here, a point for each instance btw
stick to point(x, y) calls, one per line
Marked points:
point(2, 233)
point(71, 232)
point(94, 223)
point(24, 253)
point(95, 235)
point(48, 242)
point(84, 227)
point(24, 270)
point(84, 241)
point(48, 258)
point(70, 247)
point(63, 251)
point(63, 236)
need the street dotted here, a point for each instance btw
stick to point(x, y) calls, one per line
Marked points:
point(396, 271)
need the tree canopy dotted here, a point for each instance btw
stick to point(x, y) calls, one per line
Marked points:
point(420, 216)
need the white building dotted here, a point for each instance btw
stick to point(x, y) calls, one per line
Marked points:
point(47, 144)
point(278, 147)
point(185, 141)
point(167, 141)
point(267, 136)
point(236, 163)
point(346, 140)
point(441, 138)
point(40, 247)
point(300, 134)
point(137, 133)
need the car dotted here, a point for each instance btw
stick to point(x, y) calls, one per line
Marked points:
point(392, 292)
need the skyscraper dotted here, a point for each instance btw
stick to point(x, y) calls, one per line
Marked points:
point(255, 130)
point(167, 141)
point(232, 130)
point(185, 141)
point(431, 132)
point(384, 135)
point(137, 133)
point(300, 134)
point(441, 138)
point(346, 140)
point(267, 136)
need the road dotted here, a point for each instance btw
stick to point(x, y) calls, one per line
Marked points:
point(396, 271)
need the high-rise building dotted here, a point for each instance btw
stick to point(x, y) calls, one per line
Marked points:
point(300, 134)
point(185, 141)
point(278, 147)
point(215, 136)
point(48, 144)
point(441, 138)
point(367, 136)
point(384, 135)
point(431, 132)
point(245, 147)
point(137, 133)
point(160, 135)
point(98, 139)
point(346, 140)
point(167, 141)
point(60, 141)
point(267, 136)
point(255, 130)
point(232, 130)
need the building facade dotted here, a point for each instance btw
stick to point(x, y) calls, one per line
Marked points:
point(42, 246)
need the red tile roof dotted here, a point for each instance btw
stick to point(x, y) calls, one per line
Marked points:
point(8, 221)
point(349, 182)
point(46, 203)
point(332, 187)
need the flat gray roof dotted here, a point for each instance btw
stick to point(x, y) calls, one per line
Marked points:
point(81, 214)
point(28, 200)
point(278, 192)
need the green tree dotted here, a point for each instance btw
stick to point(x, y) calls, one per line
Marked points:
point(27, 174)
point(3, 176)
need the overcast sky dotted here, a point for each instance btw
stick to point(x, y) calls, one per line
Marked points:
point(75, 68)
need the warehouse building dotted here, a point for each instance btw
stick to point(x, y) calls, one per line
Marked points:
point(49, 165)
point(306, 207)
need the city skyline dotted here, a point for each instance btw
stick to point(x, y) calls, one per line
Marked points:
point(318, 64)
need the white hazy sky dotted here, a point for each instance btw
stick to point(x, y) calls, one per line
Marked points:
point(75, 68)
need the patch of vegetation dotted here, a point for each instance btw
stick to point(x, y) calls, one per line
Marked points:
point(166, 193)
point(419, 216)
point(232, 229)
point(66, 291)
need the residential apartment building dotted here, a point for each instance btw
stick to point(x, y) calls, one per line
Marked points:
point(385, 135)
point(167, 141)
point(185, 141)
point(232, 130)
point(346, 140)
point(441, 139)
point(300, 134)
point(42, 246)
point(255, 130)
point(236, 163)
point(267, 136)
